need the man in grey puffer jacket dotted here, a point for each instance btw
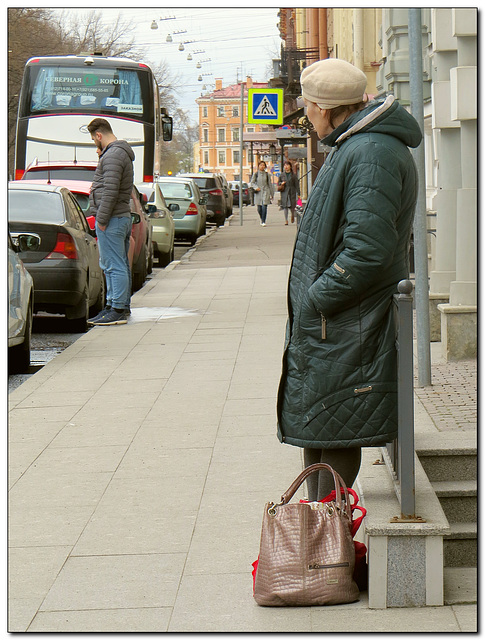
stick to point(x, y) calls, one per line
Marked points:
point(110, 203)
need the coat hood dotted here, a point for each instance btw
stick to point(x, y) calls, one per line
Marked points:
point(123, 145)
point(380, 116)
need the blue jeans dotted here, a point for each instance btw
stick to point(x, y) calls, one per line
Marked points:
point(262, 210)
point(114, 244)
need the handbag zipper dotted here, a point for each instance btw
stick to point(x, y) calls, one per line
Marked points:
point(328, 566)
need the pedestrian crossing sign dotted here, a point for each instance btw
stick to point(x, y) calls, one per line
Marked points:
point(265, 106)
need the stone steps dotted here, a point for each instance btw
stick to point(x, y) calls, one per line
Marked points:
point(452, 471)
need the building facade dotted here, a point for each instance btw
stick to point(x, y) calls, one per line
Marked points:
point(219, 145)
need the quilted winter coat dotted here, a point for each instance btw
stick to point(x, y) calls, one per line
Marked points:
point(112, 183)
point(338, 384)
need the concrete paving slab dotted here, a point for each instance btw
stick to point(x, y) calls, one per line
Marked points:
point(116, 582)
point(33, 585)
point(55, 490)
point(143, 515)
point(154, 619)
point(230, 607)
point(467, 617)
point(21, 611)
point(182, 437)
point(158, 459)
point(396, 620)
point(41, 526)
point(88, 430)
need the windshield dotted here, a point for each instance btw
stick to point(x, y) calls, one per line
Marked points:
point(35, 206)
point(60, 173)
point(176, 190)
point(94, 89)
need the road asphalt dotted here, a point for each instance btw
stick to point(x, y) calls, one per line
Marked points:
point(141, 457)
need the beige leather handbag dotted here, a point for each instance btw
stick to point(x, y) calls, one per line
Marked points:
point(307, 554)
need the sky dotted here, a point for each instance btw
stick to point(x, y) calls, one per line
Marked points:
point(233, 43)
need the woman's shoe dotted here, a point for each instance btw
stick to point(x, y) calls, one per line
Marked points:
point(292, 219)
point(286, 221)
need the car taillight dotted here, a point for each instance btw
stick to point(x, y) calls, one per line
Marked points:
point(192, 210)
point(19, 173)
point(216, 192)
point(65, 248)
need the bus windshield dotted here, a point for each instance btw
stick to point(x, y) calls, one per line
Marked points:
point(101, 89)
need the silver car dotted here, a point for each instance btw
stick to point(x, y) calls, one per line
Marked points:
point(21, 302)
point(188, 207)
point(161, 221)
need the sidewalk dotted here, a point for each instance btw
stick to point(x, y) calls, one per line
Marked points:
point(142, 456)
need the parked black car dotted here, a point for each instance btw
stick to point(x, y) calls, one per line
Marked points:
point(65, 268)
point(211, 186)
point(234, 185)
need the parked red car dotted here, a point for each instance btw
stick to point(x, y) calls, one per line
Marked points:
point(77, 177)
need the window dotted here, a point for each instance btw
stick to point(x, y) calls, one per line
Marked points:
point(220, 112)
point(235, 135)
point(206, 135)
point(222, 157)
point(235, 157)
point(206, 158)
point(221, 135)
point(235, 112)
point(250, 130)
point(205, 111)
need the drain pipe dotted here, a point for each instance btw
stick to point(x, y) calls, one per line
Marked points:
point(420, 227)
point(359, 38)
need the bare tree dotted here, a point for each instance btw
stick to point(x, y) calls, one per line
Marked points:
point(89, 33)
point(31, 32)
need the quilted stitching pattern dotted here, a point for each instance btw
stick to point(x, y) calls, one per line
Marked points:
point(350, 253)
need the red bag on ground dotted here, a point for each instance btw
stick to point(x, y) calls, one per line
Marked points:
point(360, 570)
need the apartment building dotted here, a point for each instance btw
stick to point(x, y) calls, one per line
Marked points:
point(220, 129)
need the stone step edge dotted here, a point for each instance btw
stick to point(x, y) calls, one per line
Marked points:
point(455, 488)
point(376, 489)
point(461, 531)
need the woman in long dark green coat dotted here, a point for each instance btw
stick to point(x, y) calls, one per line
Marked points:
point(338, 386)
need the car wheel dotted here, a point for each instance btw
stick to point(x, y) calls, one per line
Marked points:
point(140, 271)
point(80, 324)
point(204, 229)
point(219, 222)
point(19, 356)
point(165, 259)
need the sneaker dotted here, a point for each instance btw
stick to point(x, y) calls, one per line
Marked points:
point(100, 314)
point(263, 224)
point(112, 317)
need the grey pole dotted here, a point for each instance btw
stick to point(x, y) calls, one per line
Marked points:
point(420, 228)
point(241, 129)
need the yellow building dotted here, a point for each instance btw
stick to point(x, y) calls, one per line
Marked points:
point(220, 127)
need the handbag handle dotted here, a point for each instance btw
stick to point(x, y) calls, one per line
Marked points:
point(339, 483)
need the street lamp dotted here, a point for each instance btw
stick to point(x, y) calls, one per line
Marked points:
point(154, 24)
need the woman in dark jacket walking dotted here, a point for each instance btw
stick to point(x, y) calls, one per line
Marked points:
point(289, 188)
point(338, 386)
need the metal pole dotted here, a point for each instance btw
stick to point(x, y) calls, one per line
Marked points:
point(241, 129)
point(420, 228)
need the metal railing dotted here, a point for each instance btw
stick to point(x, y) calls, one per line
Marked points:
point(399, 454)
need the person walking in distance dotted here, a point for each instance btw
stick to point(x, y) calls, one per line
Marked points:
point(289, 188)
point(338, 388)
point(263, 191)
point(110, 203)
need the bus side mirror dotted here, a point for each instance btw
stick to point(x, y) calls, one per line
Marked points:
point(167, 128)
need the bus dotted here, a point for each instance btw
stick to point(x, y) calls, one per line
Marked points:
point(60, 95)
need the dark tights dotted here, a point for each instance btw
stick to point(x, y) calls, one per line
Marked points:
point(346, 462)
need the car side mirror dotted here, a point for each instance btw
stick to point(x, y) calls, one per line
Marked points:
point(203, 200)
point(174, 207)
point(151, 208)
point(135, 218)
